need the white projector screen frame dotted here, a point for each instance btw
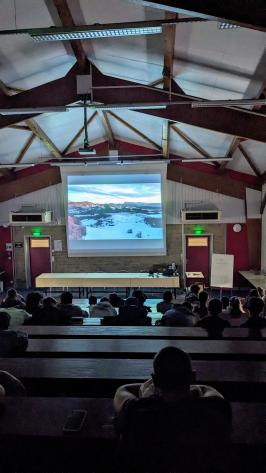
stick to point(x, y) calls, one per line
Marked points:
point(109, 247)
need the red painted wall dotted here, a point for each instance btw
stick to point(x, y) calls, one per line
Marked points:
point(6, 256)
point(237, 245)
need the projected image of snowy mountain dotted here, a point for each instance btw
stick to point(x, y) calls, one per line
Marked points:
point(131, 211)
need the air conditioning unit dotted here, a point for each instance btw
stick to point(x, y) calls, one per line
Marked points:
point(30, 217)
point(200, 213)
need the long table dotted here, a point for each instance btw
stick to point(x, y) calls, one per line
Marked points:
point(125, 348)
point(92, 280)
point(255, 279)
point(167, 333)
point(101, 377)
point(31, 432)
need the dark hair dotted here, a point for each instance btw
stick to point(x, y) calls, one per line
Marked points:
point(66, 297)
point(203, 297)
point(172, 368)
point(255, 306)
point(253, 293)
point(261, 291)
point(225, 302)
point(48, 302)
point(104, 299)
point(188, 305)
point(167, 296)
point(235, 306)
point(215, 307)
point(4, 320)
point(33, 300)
point(195, 289)
point(132, 301)
point(92, 300)
point(11, 292)
point(138, 294)
point(115, 300)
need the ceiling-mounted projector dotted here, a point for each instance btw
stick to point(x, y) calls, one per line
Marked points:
point(87, 150)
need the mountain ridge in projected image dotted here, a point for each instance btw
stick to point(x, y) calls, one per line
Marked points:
point(131, 211)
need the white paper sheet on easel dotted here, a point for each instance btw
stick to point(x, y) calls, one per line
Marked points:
point(222, 270)
point(58, 245)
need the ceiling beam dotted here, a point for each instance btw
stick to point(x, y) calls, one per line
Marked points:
point(135, 130)
point(38, 131)
point(209, 181)
point(78, 134)
point(233, 147)
point(250, 161)
point(67, 20)
point(24, 149)
point(166, 138)
point(19, 127)
point(108, 129)
point(30, 183)
point(249, 14)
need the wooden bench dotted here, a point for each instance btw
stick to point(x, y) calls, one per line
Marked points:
point(237, 380)
point(123, 348)
point(164, 333)
point(31, 431)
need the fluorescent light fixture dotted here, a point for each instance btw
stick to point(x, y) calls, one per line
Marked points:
point(227, 26)
point(205, 160)
point(121, 106)
point(96, 34)
point(2, 166)
point(228, 103)
point(25, 111)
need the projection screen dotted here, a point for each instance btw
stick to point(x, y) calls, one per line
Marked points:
point(115, 210)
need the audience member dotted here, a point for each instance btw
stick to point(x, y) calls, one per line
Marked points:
point(256, 310)
point(166, 303)
point(201, 310)
point(141, 297)
point(225, 303)
point(213, 322)
point(132, 314)
point(49, 314)
point(116, 300)
point(67, 309)
point(11, 341)
point(13, 299)
point(103, 308)
point(261, 292)
point(17, 316)
point(178, 316)
point(11, 386)
point(234, 310)
point(160, 420)
point(193, 294)
point(92, 303)
point(33, 302)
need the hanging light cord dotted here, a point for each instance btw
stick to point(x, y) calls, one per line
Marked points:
point(86, 139)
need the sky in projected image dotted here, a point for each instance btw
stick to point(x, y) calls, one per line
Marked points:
point(115, 194)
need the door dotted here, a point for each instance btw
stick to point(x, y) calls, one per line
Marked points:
point(198, 255)
point(40, 257)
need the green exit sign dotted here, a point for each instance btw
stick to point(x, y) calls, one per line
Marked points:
point(198, 230)
point(36, 232)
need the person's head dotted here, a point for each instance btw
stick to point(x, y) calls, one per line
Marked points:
point(172, 371)
point(225, 302)
point(48, 302)
point(33, 299)
point(11, 293)
point(235, 304)
point(253, 293)
point(255, 306)
point(167, 296)
point(4, 320)
point(66, 297)
point(114, 299)
point(104, 299)
point(195, 289)
point(131, 301)
point(215, 307)
point(203, 297)
point(188, 305)
point(138, 294)
point(92, 300)
point(261, 292)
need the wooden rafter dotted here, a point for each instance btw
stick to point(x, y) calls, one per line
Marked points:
point(166, 138)
point(233, 147)
point(169, 48)
point(249, 160)
point(67, 20)
point(108, 129)
point(135, 130)
point(19, 127)
point(38, 131)
point(25, 148)
point(191, 142)
point(78, 134)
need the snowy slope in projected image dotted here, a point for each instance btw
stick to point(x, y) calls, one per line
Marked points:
point(131, 211)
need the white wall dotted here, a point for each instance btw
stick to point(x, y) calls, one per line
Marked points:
point(51, 198)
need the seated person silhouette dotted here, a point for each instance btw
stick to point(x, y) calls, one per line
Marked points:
point(169, 423)
point(132, 314)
